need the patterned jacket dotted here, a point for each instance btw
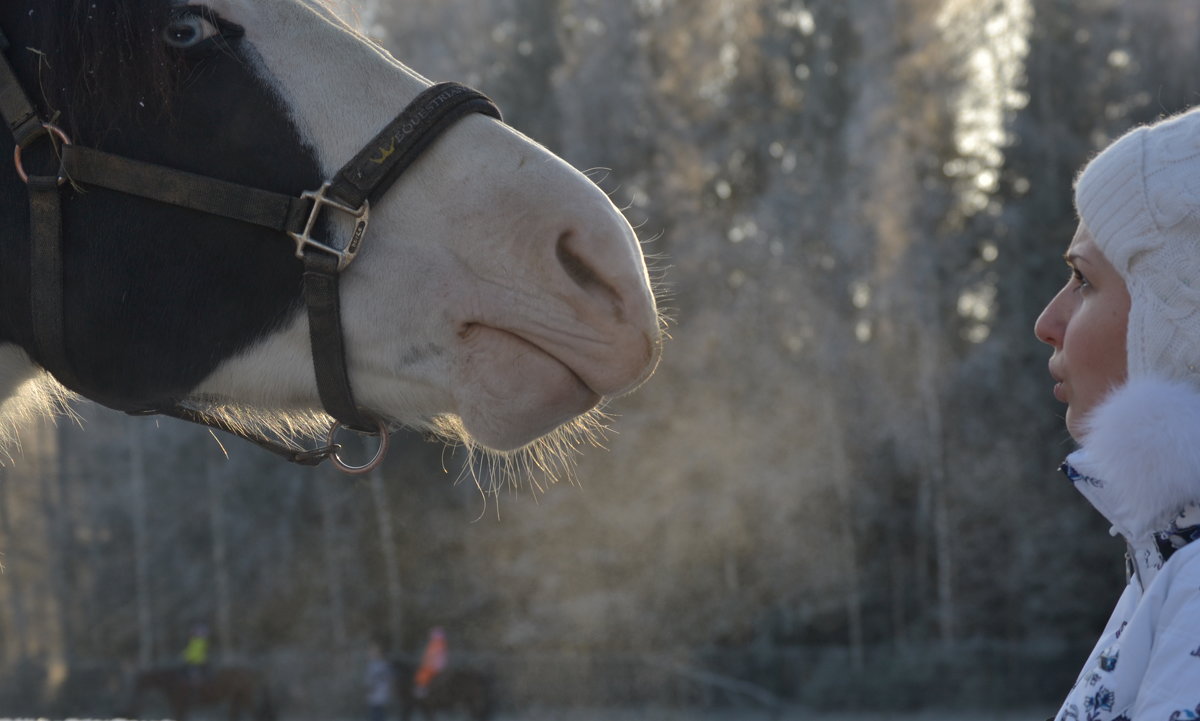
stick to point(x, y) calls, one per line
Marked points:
point(1140, 467)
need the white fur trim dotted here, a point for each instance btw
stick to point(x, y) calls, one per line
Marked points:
point(1143, 441)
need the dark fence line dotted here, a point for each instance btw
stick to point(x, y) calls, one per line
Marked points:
point(962, 675)
point(969, 674)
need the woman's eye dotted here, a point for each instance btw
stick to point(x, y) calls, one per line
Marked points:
point(185, 31)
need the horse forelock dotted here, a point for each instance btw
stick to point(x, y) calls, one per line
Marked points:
point(102, 58)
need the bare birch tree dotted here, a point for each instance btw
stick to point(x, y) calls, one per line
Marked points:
point(387, 548)
point(216, 476)
point(331, 542)
point(15, 637)
point(55, 509)
point(141, 542)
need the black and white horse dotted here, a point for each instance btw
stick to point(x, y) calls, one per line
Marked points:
point(498, 294)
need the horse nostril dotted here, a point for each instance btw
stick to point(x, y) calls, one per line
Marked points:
point(585, 276)
point(575, 266)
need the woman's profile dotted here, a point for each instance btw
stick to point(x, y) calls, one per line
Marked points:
point(1125, 339)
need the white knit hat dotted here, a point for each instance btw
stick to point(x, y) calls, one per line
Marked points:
point(1140, 200)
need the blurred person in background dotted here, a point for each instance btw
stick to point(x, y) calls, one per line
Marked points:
point(433, 662)
point(378, 681)
point(1125, 334)
point(195, 654)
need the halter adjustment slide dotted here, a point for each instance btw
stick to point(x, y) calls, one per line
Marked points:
point(320, 199)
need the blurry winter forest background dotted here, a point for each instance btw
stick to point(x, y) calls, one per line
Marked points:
point(838, 491)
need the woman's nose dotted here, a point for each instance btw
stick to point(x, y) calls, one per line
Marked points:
point(1049, 325)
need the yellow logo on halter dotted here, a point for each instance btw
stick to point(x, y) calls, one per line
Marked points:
point(385, 153)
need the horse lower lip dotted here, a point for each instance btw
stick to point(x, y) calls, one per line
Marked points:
point(511, 392)
point(470, 330)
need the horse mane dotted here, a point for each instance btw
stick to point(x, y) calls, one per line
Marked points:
point(26, 397)
point(102, 58)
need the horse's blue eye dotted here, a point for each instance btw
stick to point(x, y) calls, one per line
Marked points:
point(186, 31)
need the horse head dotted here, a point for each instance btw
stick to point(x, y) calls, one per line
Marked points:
point(497, 293)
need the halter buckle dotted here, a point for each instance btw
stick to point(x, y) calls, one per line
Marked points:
point(320, 199)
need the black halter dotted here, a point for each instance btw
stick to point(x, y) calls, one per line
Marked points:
point(358, 184)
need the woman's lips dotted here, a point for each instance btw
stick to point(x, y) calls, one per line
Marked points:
point(1059, 393)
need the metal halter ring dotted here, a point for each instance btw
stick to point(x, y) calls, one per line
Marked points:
point(369, 465)
point(58, 133)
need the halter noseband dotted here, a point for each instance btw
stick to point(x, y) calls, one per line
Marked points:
point(359, 183)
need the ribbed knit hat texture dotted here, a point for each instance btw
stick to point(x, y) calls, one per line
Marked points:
point(1140, 200)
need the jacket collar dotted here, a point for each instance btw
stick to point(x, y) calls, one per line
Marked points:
point(1139, 466)
point(1147, 553)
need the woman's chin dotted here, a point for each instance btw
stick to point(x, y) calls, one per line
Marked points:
point(1075, 425)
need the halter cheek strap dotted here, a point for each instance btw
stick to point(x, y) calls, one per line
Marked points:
point(359, 183)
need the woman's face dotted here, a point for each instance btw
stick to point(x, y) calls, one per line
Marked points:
point(1085, 325)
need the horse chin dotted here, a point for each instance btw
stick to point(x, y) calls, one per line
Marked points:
point(510, 393)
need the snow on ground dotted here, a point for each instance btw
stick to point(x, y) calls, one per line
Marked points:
point(674, 714)
point(797, 714)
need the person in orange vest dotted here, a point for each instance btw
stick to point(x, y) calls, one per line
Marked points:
point(433, 662)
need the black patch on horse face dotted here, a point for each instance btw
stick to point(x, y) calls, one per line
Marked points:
point(156, 296)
